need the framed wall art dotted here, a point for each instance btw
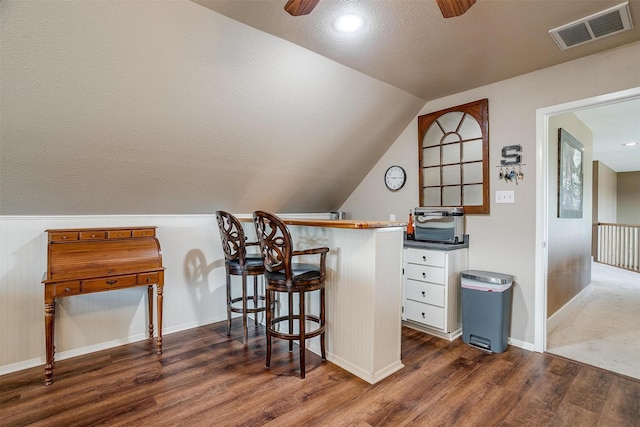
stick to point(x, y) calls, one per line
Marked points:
point(570, 177)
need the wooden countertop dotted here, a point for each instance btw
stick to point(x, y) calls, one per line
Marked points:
point(337, 223)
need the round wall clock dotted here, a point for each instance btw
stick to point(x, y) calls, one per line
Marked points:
point(395, 177)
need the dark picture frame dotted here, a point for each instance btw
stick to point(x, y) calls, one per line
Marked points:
point(570, 176)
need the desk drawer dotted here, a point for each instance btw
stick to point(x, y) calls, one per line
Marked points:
point(424, 313)
point(425, 293)
point(107, 283)
point(118, 234)
point(63, 236)
point(425, 273)
point(146, 232)
point(148, 278)
point(93, 235)
point(65, 289)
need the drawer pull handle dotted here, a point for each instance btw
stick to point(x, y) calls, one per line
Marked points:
point(423, 315)
point(64, 237)
point(111, 282)
point(424, 294)
point(424, 274)
point(67, 289)
point(148, 279)
point(424, 258)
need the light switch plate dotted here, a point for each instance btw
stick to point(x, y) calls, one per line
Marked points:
point(505, 197)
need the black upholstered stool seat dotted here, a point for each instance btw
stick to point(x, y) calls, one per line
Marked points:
point(253, 264)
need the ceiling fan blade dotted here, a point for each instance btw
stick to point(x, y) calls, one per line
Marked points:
point(300, 7)
point(452, 8)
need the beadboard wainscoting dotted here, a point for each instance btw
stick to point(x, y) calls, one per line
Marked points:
point(194, 292)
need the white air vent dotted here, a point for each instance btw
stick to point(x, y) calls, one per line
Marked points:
point(601, 24)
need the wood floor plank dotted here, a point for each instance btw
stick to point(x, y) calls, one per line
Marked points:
point(622, 406)
point(590, 389)
point(569, 414)
point(205, 377)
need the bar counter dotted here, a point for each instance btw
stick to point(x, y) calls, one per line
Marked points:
point(343, 223)
point(364, 290)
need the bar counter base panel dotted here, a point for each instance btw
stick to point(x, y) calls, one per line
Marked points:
point(364, 292)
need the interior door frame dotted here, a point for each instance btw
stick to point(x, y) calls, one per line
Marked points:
point(542, 198)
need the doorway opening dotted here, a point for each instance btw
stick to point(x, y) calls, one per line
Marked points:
point(543, 116)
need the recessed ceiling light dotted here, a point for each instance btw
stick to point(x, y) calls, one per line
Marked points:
point(348, 23)
point(630, 144)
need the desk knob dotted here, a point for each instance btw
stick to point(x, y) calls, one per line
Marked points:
point(111, 282)
point(67, 289)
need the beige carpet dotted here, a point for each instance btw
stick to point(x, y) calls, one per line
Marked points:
point(605, 330)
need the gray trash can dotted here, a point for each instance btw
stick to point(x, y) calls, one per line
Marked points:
point(486, 309)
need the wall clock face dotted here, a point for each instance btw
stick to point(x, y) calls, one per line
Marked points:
point(395, 177)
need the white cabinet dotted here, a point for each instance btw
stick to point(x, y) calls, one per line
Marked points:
point(431, 290)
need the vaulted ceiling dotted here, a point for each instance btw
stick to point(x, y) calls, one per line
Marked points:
point(172, 107)
point(408, 44)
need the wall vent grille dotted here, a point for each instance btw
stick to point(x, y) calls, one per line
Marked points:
point(601, 24)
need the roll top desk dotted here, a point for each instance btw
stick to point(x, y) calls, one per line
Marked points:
point(87, 260)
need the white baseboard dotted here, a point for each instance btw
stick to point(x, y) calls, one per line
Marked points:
point(554, 320)
point(521, 344)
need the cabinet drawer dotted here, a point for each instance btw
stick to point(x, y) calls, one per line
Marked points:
point(92, 235)
point(425, 273)
point(118, 234)
point(425, 293)
point(67, 288)
point(63, 236)
point(424, 313)
point(147, 232)
point(107, 283)
point(425, 257)
point(147, 278)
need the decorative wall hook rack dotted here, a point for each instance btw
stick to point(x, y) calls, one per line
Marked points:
point(509, 173)
point(511, 158)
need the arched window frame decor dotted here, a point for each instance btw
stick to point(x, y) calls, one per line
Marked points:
point(438, 162)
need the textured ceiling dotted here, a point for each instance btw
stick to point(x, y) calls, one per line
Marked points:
point(408, 44)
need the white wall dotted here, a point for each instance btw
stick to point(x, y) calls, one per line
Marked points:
point(628, 211)
point(569, 239)
point(607, 194)
point(504, 240)
point(167, 107)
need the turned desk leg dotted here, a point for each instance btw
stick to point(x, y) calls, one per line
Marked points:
point(159, 291)
point(49, 327)
point(150, 303)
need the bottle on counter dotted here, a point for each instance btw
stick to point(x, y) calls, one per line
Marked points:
point(410, 230)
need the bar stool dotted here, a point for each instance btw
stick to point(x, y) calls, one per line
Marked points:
point(283, 276)
point(237, 263)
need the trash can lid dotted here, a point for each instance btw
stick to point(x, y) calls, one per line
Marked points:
point(487, 277)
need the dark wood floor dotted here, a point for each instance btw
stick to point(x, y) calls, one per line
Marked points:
point(206, 378)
